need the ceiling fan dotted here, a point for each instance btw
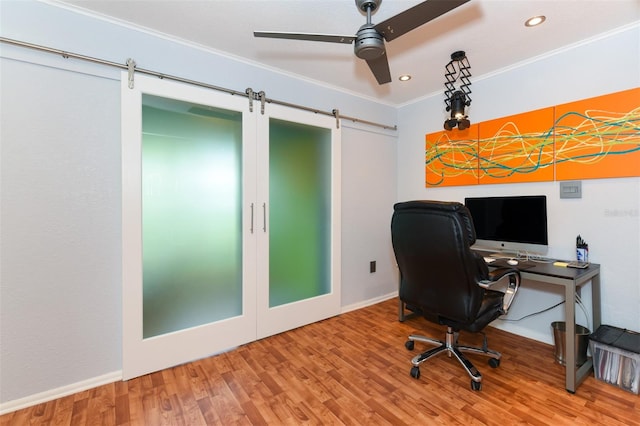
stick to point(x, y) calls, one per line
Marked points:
point(369, 40)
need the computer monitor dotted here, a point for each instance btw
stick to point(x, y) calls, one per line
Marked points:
point(510, 224)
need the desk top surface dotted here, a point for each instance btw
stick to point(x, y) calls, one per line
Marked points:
point(545, 267)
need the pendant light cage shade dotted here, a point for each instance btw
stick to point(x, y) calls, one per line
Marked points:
point(457, 98)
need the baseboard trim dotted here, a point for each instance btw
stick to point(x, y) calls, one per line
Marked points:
point(369, 302)
point(524, 332)
point(42, 397)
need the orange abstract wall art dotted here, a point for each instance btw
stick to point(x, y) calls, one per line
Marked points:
point(518, 148)
point(599, 137)
point(592, 138)
point(452, 157)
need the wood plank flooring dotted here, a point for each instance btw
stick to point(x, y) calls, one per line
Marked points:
point(349, 370)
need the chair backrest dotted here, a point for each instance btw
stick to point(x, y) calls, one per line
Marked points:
point(439, 271)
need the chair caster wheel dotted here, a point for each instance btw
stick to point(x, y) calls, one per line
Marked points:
point(494, 363)
point(476, 386)
point(409, 344)
point(415, 372)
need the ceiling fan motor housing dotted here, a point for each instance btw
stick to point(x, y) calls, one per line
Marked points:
point(369, 43)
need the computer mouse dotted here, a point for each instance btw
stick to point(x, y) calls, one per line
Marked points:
point(512, 262)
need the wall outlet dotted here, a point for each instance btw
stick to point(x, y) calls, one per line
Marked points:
point(372, 266)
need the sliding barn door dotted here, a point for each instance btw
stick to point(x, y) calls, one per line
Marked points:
point(189, 281)
point(230, 222)
point(299, 187)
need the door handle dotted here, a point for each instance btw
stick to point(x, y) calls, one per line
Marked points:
point(251, 227)
point(264, 217)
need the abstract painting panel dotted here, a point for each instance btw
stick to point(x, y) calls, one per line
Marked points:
point(452, 157)
point(599, 137)
point(518, 148)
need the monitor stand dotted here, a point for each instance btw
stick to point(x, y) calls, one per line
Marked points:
point(504, 255)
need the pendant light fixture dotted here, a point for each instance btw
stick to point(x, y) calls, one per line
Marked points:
point(457, 98)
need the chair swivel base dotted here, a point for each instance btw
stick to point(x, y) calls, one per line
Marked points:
point(450, 346)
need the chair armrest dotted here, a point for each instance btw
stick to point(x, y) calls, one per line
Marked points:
point(496, 276)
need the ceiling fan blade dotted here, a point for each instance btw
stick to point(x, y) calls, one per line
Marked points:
point(331, 38)
point(414, 17)
point(380, 69)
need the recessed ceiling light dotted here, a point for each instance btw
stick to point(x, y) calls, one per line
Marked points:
point(536, 20)
point(404, 77)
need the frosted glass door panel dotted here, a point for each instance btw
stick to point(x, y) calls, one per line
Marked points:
point(191, 215)
point(300, 212)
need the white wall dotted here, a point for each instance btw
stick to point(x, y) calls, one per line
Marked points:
point(60, 309)
point(60, 273)
point(368, 194)
point(607, 215)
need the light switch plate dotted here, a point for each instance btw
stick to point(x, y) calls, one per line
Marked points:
point(571, 189)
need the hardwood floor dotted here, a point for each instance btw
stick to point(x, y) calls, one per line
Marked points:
point(354, 370)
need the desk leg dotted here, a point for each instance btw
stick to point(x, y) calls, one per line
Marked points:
point(585, 369)
point(401, 315)
point(401, 305)
point(570, 336)
point(575, 375)
point(595, 302)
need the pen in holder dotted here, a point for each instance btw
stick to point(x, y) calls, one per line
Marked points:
point(582, 250)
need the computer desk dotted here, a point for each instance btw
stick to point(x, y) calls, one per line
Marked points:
point(571, 279)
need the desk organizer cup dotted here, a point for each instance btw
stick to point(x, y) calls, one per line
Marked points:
point(582, 250)
point(582, 254)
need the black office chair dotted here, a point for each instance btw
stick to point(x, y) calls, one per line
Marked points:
point(445, 281)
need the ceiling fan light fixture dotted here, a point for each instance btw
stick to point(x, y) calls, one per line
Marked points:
point(535, 21)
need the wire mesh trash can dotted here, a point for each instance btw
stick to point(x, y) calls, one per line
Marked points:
point(559, 339)
point(616, 357)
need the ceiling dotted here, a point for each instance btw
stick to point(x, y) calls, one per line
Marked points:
point(491, 32)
